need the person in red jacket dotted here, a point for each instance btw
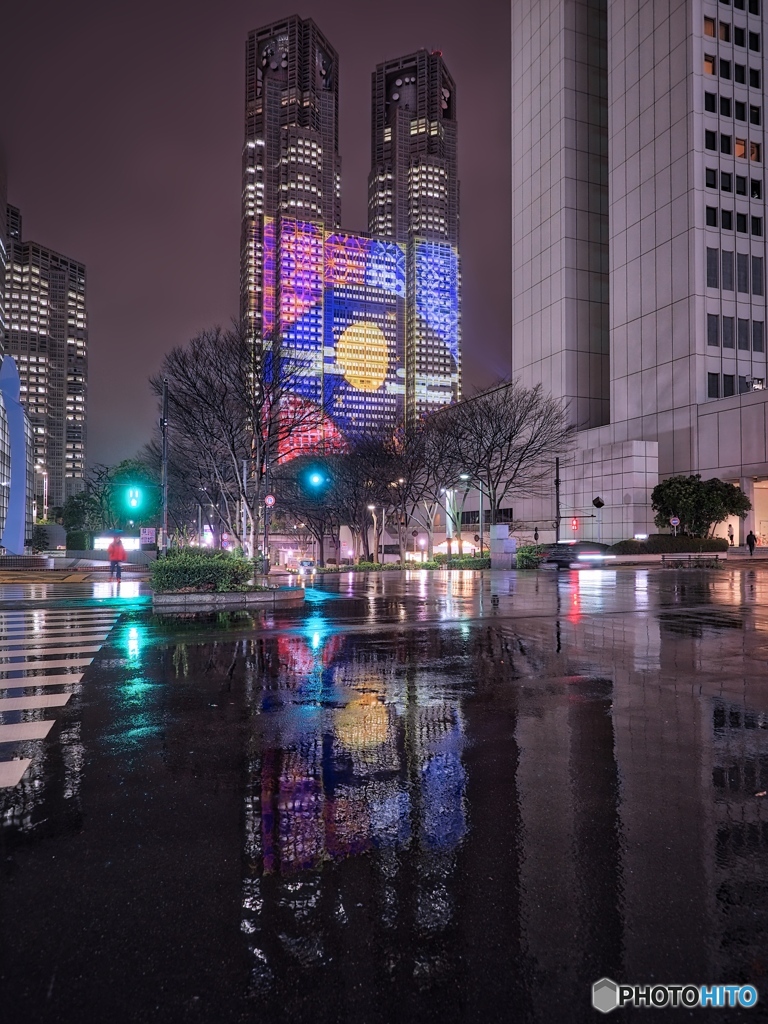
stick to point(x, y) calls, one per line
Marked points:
point(116, 553)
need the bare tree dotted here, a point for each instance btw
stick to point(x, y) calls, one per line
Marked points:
point(234, 412)
point(506, 439)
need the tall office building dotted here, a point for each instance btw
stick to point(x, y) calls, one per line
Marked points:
point(3, 245)
point(47, 334)
point(648, 315)
point(361, 320)
point(413, 199)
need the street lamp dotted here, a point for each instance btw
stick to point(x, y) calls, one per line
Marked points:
point(372, 510)
point(468, 480)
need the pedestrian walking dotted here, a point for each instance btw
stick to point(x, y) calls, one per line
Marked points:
point(730, 534)
point(116, 554)
point(751, 541)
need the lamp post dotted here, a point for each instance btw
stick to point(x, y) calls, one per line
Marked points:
point(372, 510)
point(468, 480)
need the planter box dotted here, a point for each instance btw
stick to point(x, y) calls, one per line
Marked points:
point(282, 597)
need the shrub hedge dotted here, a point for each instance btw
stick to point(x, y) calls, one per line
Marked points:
point(469, 562)
point(666, 544)
point(529, 556)
point(195, 570)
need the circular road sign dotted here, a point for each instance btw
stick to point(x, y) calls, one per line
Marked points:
point(674, 521)
point(269, 501)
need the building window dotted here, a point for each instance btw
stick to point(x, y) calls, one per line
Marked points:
point(754, 6)
point(713, 330)
point(712, 268)
point(711, 177)
point(710, 102)
point(741, 223)
point(726, 220)
point(738, 4)
point(713, 385)
point(711, 217)
point(756, 190)
point(743, 386)
point(754, 152)
point(710, 140)
point(709, 27)
point(725, 181)
point(725, 107)
point(740, 74)
point(757, 226)
point(741, 185)
point(728, 385)
point(709, 64)
point(742, 272)
point(757, 335)
point(727, 271)
point(739, 36)
point(725, 144)
point(754, 41)
point(754, 115)
point(754, 78)
point(725, 32)
point(725, 70)
point(727, 332)
point(742, 335)
point(740, 149)
point(757, 275)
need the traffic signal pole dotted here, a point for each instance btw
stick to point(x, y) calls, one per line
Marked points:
point(164, 469)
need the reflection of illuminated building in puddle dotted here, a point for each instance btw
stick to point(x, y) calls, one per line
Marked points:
point(123, 589)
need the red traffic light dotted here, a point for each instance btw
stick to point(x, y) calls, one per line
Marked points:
point(574, 524)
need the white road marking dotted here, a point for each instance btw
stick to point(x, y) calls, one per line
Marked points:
point(57, 679)
point(44, 700)
point(38, 651)
point(7, 650)
point(25, 731)
point(11, 772)
point(5, 667)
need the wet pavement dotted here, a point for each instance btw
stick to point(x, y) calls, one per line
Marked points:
point(424, 797)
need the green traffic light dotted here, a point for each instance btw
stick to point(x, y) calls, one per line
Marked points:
point(134, 497)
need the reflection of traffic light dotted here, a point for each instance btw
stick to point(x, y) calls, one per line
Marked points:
point(574, 524)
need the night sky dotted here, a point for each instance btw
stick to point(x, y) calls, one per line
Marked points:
point(123, 125)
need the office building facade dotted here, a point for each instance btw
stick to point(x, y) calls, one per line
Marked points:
point(47, 334)
point(363, 321)
point(639, 240)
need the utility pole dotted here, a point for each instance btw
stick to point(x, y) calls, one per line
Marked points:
point(557, 500)
point(164, 470)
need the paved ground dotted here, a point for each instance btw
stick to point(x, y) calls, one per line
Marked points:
point(430, 797)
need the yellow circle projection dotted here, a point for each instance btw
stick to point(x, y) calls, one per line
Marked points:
point(361, 352)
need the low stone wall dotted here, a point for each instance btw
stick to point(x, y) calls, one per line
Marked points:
point(25, 562)
point(281, 597)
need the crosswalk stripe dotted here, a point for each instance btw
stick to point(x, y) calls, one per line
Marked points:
point(7, 649)
point(65, 620)
point(12, 772)
point(38, 651)
point(5, 668)
point(17, 636)
point(40, 700)
point(57, 679)
point(25, 731)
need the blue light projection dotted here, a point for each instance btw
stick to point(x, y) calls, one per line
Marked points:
point(437, 291)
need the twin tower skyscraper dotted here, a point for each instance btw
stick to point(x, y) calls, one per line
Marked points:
point(369, 323)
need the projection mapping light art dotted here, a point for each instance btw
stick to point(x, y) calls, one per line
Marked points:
point(339, 302)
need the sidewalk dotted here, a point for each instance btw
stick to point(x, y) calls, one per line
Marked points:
point(761, 553)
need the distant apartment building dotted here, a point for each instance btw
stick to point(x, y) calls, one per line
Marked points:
point(639, 242)
point(369, 322)
point(46, 332)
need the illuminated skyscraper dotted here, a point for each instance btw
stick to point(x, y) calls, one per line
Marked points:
point(413, 199)
point(47, 334)
point(291, 163)
point(363, 320)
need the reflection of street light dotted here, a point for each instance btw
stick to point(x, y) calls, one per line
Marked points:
point(422, 542)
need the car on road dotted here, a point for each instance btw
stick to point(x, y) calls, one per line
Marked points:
point(578, 554)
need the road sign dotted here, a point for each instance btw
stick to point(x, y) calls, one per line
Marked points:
point(674, 521)
point(147, 535)
point(269, 501)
